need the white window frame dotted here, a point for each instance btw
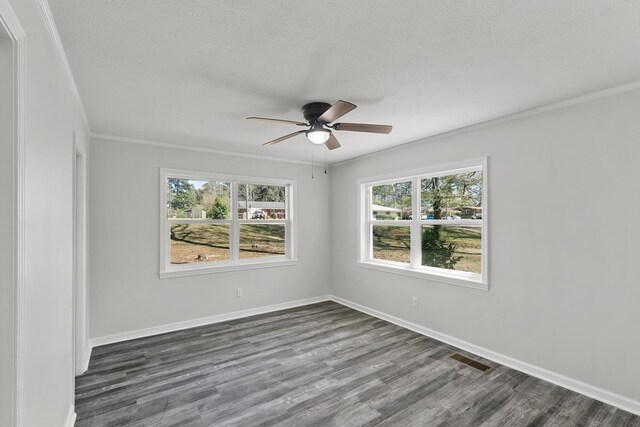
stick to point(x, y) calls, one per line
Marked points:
point(415, 268)
point(234, 263)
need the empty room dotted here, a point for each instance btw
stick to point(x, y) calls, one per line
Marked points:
point(329, 213)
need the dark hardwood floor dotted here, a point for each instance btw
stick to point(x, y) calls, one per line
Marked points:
point(321, 364)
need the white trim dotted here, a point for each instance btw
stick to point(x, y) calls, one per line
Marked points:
point(80, 287)
point(238, 266)
point(71, 417)
point(74, 291)
point(594, 392)
point(106, 137)
point(462, 166)
point(178, 326)
point(199, 175)
point(457, 278)
point(84, 363)
point(62, 57)
point(21, 193)
point(10, 22)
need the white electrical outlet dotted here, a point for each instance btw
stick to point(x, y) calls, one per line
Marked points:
point(239, 293)
point(414, 302)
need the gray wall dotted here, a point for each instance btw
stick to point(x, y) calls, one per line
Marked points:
point(126, 292)
point(51, 115)
point(564, 209)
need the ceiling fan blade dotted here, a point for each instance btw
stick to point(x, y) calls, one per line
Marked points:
point(336, 111)
point(363, 127)
point(279, 120)
point(282, 138)
point(332, 143)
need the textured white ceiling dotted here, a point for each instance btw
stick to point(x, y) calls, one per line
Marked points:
point(189, 72)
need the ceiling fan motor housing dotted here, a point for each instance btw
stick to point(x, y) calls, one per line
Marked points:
point(313, 110)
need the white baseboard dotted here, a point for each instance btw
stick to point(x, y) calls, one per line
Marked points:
point(141, 333)
point(605, 396)
point(88, 348)
point(71, 417)
point(83, 363)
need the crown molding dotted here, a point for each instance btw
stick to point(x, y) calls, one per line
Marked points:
point(493, 122)
point(62, 57)
point(192, 148)
point(9, 20)
point(499, 120)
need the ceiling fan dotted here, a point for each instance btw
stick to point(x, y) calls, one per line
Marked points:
point(319, 115)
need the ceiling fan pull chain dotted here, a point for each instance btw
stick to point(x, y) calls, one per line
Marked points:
point(311, 164)
point(325, 160)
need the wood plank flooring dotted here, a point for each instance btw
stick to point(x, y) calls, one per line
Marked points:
point(321, 364)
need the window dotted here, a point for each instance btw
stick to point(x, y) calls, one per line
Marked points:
point(430, 224)
point(215, 223)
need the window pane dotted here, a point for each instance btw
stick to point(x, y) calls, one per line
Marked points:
point(261, 240)
point(261, 201)
point(198, 199)
point(194, 243)
point(391, 201)
point(391, 243)
point(453, 248)
point(452, 196)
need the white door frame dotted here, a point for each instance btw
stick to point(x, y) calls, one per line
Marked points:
point(9, 21)
point(80, 288)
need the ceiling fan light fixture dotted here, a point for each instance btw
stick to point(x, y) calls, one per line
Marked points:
point(320, 118)
point(318, 134)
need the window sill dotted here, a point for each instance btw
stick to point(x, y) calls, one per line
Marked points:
point(194, 271)
point(451, 279)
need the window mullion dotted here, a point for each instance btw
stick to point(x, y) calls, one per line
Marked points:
point(369, 234)
point(288, 246)
point(234, 230)
point(369, 230)
point(167, 240)
point(416, 250)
